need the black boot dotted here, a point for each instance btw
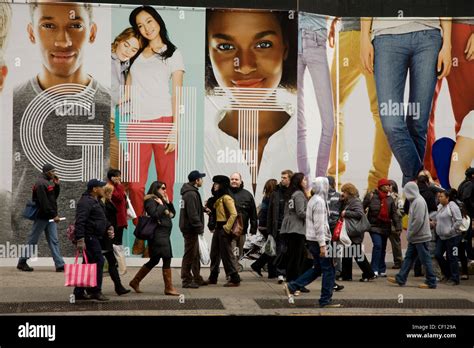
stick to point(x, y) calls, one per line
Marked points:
point(114, 275)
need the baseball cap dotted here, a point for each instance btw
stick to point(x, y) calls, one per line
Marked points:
point(95, 183)
point(47, 168)
point(194, 175)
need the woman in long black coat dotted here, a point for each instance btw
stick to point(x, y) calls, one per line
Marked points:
point(159, 207)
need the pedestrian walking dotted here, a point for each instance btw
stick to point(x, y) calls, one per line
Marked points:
point(45, 195)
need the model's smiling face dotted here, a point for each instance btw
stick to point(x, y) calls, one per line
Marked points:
point(246, 49)
point(147, 25)
point(61, 32)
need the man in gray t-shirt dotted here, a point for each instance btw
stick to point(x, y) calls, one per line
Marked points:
point(60, 116)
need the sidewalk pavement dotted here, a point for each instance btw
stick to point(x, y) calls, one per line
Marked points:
point(45, 285)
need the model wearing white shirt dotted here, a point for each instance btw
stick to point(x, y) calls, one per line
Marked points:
point(150, 74)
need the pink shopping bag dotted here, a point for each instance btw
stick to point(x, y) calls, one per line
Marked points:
point(81, 275)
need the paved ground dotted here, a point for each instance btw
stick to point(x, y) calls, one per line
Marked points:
point(45, 285)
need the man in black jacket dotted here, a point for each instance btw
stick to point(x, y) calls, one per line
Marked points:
point(276, 212)
point(191, 224)
point(466, 195)
point(45, 195)
point(90, 227)
point(245, 204)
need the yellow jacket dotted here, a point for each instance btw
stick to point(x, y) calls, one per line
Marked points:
point(225, 211)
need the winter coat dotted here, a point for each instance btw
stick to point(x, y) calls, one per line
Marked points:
point(372, 201)
point(119, 198)
point(276, 210)
point(191, 218)
point(418, 230)
point(245, 205)
point(295, 214)
point(160, 245)
point(353, 213)
point(466, 195)
point(317, 215)
point(45, 194)
point(448, 221)
point(90, 218)
point(225, 212)
point(262, 216)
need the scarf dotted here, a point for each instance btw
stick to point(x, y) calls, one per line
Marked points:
point(383, 214)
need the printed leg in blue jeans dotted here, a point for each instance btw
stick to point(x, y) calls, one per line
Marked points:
point(395, 55)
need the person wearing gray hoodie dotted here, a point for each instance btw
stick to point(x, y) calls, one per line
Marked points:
point(318, 236)
point(418, 237)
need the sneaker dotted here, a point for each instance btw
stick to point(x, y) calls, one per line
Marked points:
point(297, 292)
point(24, 267)
point(256, 270)
point(465, 277)
point(60, 269)
point(383, 275)
point(202, 282)
point(376, 274)
point(191, 285)
point(281, 279)
point(338, 287)
point(82, 297)
point(305, 290)
point(393, 280)
point(99, 297)
point(332, 305)
point(231, 284)
point(426, 286)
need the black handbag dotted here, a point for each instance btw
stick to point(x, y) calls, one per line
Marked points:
point(145, 228)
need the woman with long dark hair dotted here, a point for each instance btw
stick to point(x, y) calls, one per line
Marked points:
point(158, 62)
point(257, 266)
point(293, 227)
point(159, 207)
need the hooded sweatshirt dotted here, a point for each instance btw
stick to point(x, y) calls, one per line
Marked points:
point(418, 230)
point(448, 221)
point(317, 224)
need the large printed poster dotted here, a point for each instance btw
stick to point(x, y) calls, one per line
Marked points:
point(250, 121)
point(157, 92)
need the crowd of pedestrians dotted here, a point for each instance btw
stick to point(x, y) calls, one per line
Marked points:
point(307, 222)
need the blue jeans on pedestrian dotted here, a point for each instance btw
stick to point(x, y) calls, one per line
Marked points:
point(321, 266)
point(450, 265)
point(312, 55)
point(406, 130)
point(422, 251)
point(51, 232)
point(378, 252)
point(94, 255)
